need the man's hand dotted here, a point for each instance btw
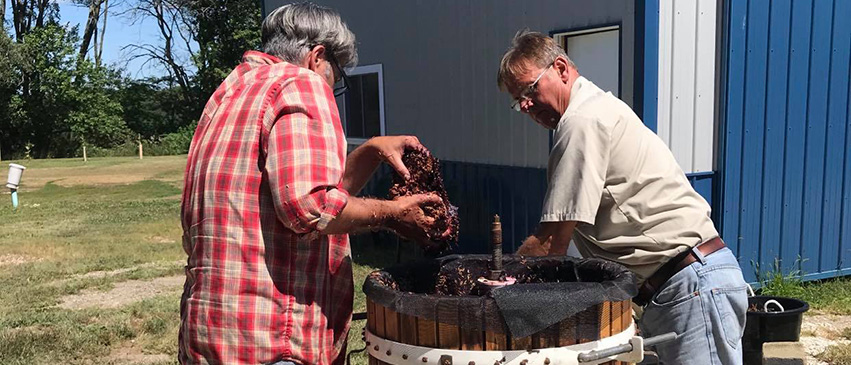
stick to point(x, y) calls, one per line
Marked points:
point(409, 220)
point(533, 246)
point(551, 239)
point(391, 148)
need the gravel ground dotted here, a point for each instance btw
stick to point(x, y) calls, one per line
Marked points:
point(820, 331)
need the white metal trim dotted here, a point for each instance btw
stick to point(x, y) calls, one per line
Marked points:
point(586, 31)
point(393, 352)
point(686, 79)
point(370, 69)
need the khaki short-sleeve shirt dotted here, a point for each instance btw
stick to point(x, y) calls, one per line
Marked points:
point(621, 183)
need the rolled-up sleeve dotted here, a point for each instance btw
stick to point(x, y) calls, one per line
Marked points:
point(306, 155)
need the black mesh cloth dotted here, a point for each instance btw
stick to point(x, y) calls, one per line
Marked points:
point(548, 290)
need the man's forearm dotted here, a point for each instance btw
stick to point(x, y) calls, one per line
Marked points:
point(360, 214)
point(360, 165)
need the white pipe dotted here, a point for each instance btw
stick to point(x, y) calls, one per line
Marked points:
point(15, 172)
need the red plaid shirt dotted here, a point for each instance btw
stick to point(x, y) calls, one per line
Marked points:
point(262, 177)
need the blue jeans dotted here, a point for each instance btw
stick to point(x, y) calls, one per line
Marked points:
point(705, 304)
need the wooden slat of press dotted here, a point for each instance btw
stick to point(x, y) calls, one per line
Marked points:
point(391, 325)
point(379, 321)
point(370, 323)
point(522, 343)
point(567, 331)
point(472, 339)
point(391, 328)
point(627, 314)
point(588, 328)
point(379, 327)
point(426, 333)
point(370, 316)
point(619, 323)
point(607, 312)
point(548, 338)
point(617, 318)
point(448, 335)
point(496, 341)
point(408, 327)
point(626, 319)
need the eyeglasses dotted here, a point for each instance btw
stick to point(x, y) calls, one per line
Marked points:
point(531, 89)
point(341, 84)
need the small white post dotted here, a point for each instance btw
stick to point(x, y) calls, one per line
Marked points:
point(140, 150)
point(15, 172)
point(85, 158)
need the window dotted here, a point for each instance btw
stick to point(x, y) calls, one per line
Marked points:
point(362, 107)
point(596, 53)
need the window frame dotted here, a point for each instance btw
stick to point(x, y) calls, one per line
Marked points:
point(363, 70)
point(562, 36)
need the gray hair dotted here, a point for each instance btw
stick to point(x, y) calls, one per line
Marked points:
point(528, 49)
point(290, 31)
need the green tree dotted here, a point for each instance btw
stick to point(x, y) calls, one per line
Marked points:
point(224, 31)
point(100, 119)
point(66, 102)
point(10, 77)
point(153, 108)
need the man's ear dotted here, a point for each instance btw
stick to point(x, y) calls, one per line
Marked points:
point(563, 67)
point(314, 57)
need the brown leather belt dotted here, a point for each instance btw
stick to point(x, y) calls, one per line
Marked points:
point(673, 266)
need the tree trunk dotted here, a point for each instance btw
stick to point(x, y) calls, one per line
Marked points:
point(19, 19)
point(3, 10)
point(91, 25)
point(42, 11)
point(99, 51)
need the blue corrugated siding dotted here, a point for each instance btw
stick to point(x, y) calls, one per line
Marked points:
point(786, 169)
point(515, 193)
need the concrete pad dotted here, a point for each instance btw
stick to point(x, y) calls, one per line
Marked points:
point(783, 353)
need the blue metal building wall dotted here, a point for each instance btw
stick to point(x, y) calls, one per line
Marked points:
point(786, 166)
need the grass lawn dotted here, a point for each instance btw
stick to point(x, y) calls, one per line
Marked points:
point(91, 264)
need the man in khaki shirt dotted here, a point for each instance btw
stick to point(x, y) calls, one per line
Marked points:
point(615, 188)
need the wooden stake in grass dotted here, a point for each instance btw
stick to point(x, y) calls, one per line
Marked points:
point(140, 147)
point(85, 158)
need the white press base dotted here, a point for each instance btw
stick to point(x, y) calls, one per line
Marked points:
point(400, 354)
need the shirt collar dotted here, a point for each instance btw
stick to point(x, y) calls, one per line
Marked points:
point(260, 58)
point(579, 92)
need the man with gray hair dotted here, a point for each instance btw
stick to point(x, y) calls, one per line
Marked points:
point(269, 199)
point(616, 190)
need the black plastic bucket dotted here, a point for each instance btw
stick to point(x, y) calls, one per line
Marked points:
point(772, 326)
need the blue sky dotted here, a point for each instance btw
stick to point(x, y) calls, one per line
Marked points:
point(120, 32)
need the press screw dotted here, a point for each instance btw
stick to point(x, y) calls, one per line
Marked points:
point(404, 357)
point(388, 352)
point(425, 359)
point(375, 348)
point(471, 363)
point(524, 362)
point(547, 361)
point(367, 343)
